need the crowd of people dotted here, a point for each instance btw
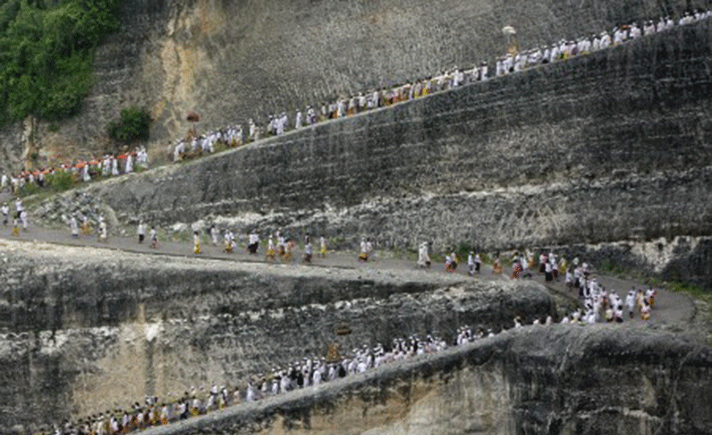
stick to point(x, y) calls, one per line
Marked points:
point(385, 96)
point(196, 145)
point(81, 170)
point(19, 216)
point(600, 305)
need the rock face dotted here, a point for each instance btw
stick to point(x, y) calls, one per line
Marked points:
point(87, 330)
point(557, 380)
point(606, 147)
point(680, 259)
point(234, 60)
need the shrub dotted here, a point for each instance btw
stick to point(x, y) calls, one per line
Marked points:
point(134, 124)
point(61, 181)
point(29, 189)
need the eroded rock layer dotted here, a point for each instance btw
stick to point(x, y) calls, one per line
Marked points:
point(611, 146)
point(557, 380)
point(85, 330)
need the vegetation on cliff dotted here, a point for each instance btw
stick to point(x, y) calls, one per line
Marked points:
point(134, 124)
point(46, 54)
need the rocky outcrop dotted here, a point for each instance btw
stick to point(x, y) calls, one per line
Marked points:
point(558, 380)
point(234, 60)
point(85, 330)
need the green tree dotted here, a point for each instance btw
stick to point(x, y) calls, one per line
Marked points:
point(46, 54)
point(134, 124)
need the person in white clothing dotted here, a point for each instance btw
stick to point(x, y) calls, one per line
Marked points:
point(423, 257)
point(254, 241)
point(630, 302)
point(5, 213)
point(365, 250)
point(154, 238)
point(103, 236)
point(298, 120)
point(23, 218)
point(74, 227)
point(141, 232)
point(214, 235)
point(129, 164)
point(18, 208)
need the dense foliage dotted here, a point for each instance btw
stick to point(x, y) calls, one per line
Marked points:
point(46, 54)
point(134, 124)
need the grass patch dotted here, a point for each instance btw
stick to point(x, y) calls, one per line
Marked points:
point(28, 189)
point(682, 287)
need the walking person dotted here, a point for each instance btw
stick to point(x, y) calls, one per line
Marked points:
point(154, 237)
point(214, 235)
point(141, 232)
point(103, 232)
point(322, 247)
point(423, 257)
point(5, 214)
point(548, 272)
point(196, 242)
point(23, 218)
point(308, 252)
point(74, 227)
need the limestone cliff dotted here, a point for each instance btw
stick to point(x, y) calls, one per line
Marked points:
point(230, 60)
point(558, 380)
point(85, 330)
point(613, 146)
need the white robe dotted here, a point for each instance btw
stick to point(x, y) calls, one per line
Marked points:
point(298, 120)
point(423, 257)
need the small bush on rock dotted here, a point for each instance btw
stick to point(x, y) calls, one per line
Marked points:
point(133, 125)
point(61, 181)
